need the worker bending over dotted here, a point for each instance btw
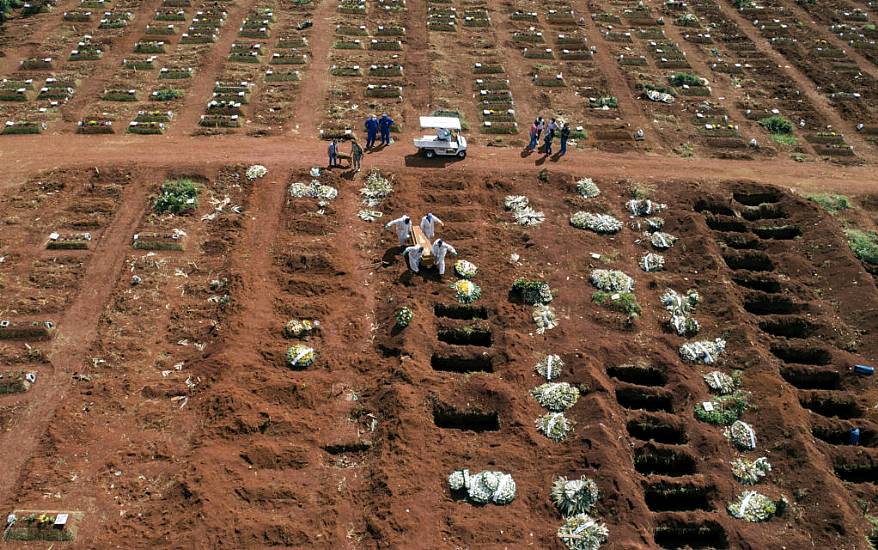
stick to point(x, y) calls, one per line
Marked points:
point(440, 248)
point(403, 229)
point(428, 225)
point(414, 254)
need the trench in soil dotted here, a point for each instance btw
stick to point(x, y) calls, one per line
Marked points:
point(811, 379)
point(740, 241)
point(452, 418)
point(788, 327)
point(662, 461)
point(757, 198)
point(640, 375)
point(683, 534)
point(763, 212)
point(782, 233)
point(637, 398)
point(648, 427)
point(802, 355)
point(728, 225)
point(769, 286)
point(856, 473)
point(840, 434)
point(674, 497)
point(752, 261)
point(769, 305)
point(714, 207)
point(461, 364)
point(468, 336)
point(831, 407)
point(458, 311)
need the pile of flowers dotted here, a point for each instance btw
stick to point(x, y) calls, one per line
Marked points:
point(555, 426)
point(315, 190)
point(483, 487)
point(255, 172)
point(647, 225)
point(299, 328)
point(652, 262)
point(376, 190)
point(612, 280)
point(300, 356)
point(532, 292)
point(523, 213)
point(466, 291)
point(599, 223)
point(742, 435)
point(681, 306)
point(583, 532)
point(644, 207)
point(403, 317)
point(587, 188)
point(465, 269)
point(750, 472)
point(720, 382)
point(704, 351)
point(556, 396)
point(662, 241)
point(574, 496)
point(752, 506)
point(545, 318)
point(549, 367)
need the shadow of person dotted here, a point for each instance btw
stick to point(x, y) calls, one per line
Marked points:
point(392, 256)
point(556, 157)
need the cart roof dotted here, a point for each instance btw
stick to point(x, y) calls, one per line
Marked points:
point(447, 122)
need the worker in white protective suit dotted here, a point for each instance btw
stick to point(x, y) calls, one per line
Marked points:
point(440, 248)
point(403, 228)
point(414, 254)
point(428, 225)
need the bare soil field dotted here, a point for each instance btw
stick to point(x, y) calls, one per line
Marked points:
point(195, 353)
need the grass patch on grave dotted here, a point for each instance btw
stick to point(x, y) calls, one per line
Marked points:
point(864, 244)
point(169, 73)
point(21, 127)
point(118, 94)
point(95, 125)
point(831, 202)
point(621, 302)
point(157, 241)
point(33, 330)
point(178, 196)
point(31, 525)
point(14, 382)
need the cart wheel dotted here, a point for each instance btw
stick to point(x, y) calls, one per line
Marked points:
point(462, 154)
point(429, 153)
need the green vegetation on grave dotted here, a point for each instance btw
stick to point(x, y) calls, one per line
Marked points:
point(622, 302)
point(785, 139)
point(178, 196)
point(777, 124)
point(864, 244)
point(831, 202)
point(725, 409)
point(687, 79)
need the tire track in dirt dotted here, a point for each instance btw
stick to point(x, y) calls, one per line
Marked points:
point(205, 76)
point(804, 83)
point(312, 96)
point(76, 332)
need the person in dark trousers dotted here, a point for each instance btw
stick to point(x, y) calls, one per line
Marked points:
point(547, 143)
point(565, 135)
point(356, 155)
point(371, 131)
point(534, 135)
point(384, 125)
point(333, 153)
point(541, 125)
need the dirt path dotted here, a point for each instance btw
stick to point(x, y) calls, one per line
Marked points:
point(628, 106)
point(310, 103)
point(418, 67)
point(206, 75)
point(802, 82)
point(76, 332)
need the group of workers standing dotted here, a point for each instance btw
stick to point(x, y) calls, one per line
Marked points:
point(552, 130)
point(374, 127)
point(415, 252)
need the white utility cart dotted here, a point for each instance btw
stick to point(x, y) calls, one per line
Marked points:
point(447, 141)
